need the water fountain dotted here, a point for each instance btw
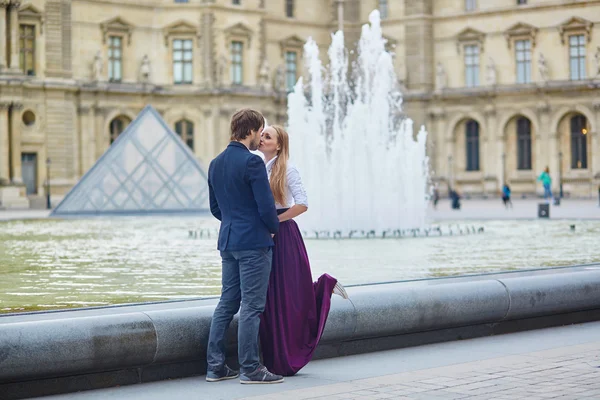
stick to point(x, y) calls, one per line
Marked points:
point(361, 165)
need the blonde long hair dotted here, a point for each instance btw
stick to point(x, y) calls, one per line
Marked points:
point(278, 180)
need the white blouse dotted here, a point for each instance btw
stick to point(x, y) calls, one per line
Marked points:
point(295, 193)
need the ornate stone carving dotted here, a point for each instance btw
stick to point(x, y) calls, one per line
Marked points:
point(470, 36)
point(279, 79)
point(521, 30)
point(145, 69)
point(440, 77)
point(490, 73)
point(263, 74)
point(291, 43)
point(596, 71)
point(575, 25)
point(239, 31)
point(116, 26)
point(222, 64)
point(32, 15)
point(543, 68)
point(180, 28)
point(97, 66)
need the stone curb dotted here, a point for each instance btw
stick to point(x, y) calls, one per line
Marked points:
point(377, 317)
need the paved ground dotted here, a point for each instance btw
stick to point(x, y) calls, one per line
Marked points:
point(522, 209)
point(471, 209)
point(550, 363)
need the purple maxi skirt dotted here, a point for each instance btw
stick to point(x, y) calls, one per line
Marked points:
point(296, 309)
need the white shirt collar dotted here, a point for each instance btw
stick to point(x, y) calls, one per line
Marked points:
point(270, 163)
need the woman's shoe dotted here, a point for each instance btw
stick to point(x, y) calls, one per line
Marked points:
point(340, 291)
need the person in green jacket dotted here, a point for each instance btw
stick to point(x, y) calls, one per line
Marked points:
point(547, 182)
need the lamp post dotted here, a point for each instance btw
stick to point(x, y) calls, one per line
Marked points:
point(560, 177)
point(48, 162)
point(450, 183)
point(503, 177)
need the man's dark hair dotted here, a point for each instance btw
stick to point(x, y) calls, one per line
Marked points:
point(245, 121)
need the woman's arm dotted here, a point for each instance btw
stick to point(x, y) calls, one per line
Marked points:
point(298, 193)
point(293, 212)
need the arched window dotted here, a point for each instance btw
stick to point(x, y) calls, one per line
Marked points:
point(472, 133)
point(117, 126)
point(185, 130)
point(523, 143)
point(579, 133)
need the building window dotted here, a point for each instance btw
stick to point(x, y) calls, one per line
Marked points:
point(579, 142)
point(472, 133)
point(237, 57)
point(577, 56)
point(523, 58)
point(470, 5)
point(289, 8)
point(472, 65)
point(185, 130)
point(182, 61)
point(291, 64)
point(523, 143)
point(115, 59)
point(519, 2)
point(236, 2)
point(27, 49)
point(181, 1)
point(117, 126)
point(383, 9)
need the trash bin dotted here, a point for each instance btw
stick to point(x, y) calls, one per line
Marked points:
point(543, 210)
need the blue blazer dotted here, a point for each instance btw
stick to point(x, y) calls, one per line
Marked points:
point(241, 198)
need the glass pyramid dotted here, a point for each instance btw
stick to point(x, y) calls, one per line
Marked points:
point(148, 169)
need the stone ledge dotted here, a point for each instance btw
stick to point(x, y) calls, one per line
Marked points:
point(64, 351)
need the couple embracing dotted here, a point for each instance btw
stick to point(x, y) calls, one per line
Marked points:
point(265, 267)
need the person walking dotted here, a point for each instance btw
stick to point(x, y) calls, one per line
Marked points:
point(506, 196)
point(241, 198)
point(547, 182)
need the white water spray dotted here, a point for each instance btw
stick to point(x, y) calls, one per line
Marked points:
point(361, 166)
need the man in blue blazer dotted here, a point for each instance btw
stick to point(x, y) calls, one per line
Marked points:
point(241, 198)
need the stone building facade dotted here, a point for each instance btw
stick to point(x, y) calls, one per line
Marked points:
point(505, 87)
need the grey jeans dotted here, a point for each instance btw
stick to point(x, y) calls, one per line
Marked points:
point(245, 279)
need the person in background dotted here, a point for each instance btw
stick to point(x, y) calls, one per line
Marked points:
point(455, 198)
point(435, 197)
point(506, 196)
point(547, 182)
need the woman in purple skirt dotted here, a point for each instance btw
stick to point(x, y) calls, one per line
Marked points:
point(297, 308)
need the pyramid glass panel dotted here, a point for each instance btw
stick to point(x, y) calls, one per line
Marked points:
point(148, 169)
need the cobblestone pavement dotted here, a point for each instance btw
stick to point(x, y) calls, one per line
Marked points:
point(569, 373)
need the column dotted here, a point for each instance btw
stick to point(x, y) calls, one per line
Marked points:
point(491, 157)
point(13, 11)
point(4, 144)
point(15, 143)
point(340, 14)
point(91, 154)
point(3, 38)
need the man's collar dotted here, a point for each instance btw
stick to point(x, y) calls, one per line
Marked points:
point(237, 144)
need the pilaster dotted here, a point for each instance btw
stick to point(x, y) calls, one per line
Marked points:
point(13, 13)
point(15, 143)
point(4, 144)
point(3, 38)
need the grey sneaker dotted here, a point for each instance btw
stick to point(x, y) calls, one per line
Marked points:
point(224, 374)
point(260, 376)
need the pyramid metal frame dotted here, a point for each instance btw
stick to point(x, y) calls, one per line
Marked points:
point(170, 181)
